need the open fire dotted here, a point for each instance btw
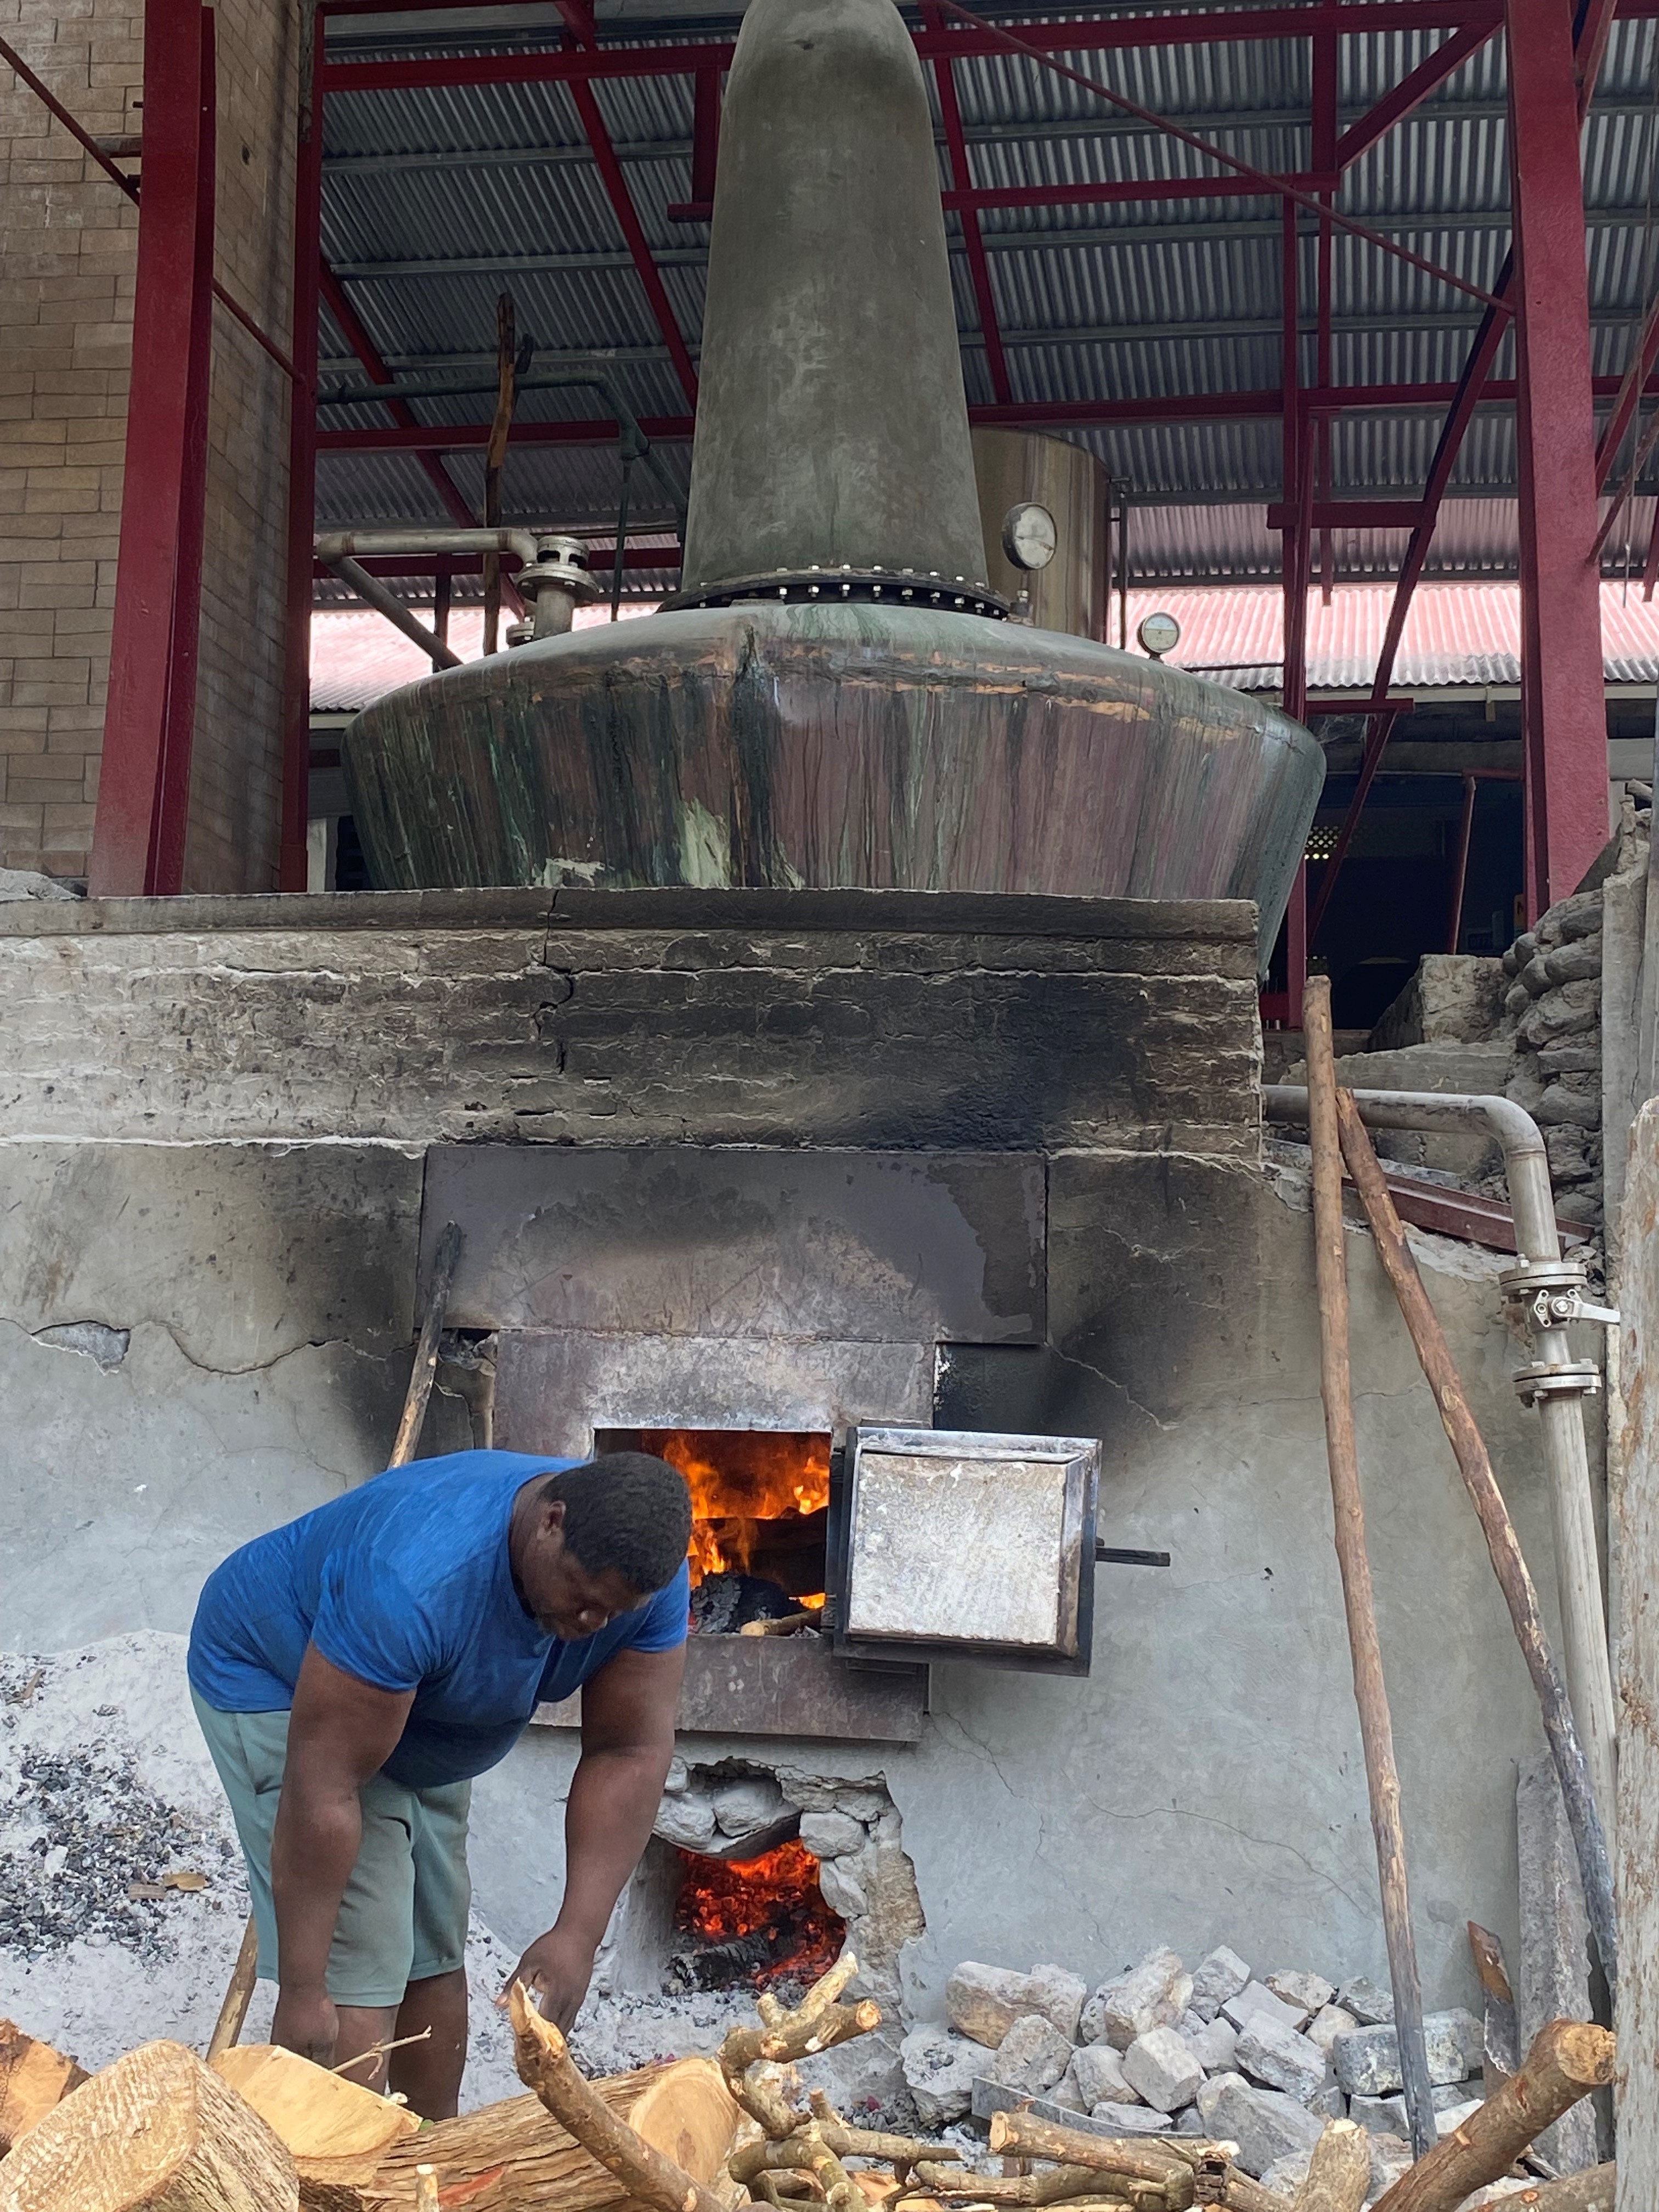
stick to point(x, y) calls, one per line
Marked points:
point(760, 1501)
point(761, 1921)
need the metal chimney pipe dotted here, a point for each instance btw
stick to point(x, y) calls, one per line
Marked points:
point(832, 426)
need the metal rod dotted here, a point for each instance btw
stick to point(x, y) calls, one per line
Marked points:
point(333, 545)
point(426, 1351)
point(293, 872)
point(1353, 1564)
point(622, 537)
point(386, 602)
point(1460, 872)
point(973, 240)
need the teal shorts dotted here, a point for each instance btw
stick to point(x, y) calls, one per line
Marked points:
point(403, 1917)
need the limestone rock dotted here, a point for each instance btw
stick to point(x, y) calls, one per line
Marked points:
point(1455, 998)
point(1568, 963)
point(984, 2001)
point(1562, 1012)
point(1218, 1978)
point(1577, 916)
point(1131, 2119)
point(687, 1821)
point(1256, 1999)
point(844, 1891)
point(1098, 2072)
point(1390, 2157)
point(1310, 1991)
point(1327, 2024)
point(1452, 2116)
point(1161, 2068)
point(1287, 2175)
point(678, 1779)
point(1154, 1994)
point(29, 883)
point(1367, 2059)
point(1385, 2115)
point(741, 1807)
point(1067, 2095)
point(1369, 2002)
point(831, 1835)
point(1031, 2056)
point(1211, 2042)
point(1265, 2124)
point(1280, 2058)
point(939, 2069)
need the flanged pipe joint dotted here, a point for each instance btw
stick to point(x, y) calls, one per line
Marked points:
point(554, 584)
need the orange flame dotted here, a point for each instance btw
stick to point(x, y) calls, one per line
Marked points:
point(741, 1479)
point(776, 1894)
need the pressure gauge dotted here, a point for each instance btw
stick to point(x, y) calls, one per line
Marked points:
point(1028, 535)
point(1158, 633)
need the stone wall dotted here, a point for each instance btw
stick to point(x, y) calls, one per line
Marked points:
point(68, 253)
point(212, 1142)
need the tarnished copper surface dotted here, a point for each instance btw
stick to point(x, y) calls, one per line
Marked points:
point(834, 746)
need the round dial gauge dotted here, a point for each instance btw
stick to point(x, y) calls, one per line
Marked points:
point(1158, 633)
point(1028, 535)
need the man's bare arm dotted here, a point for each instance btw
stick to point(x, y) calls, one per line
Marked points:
point(340, 1732)
point(628, 1740)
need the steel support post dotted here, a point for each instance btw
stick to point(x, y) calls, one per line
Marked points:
point(1564, 709)
point(143, 790)
point(302, 460)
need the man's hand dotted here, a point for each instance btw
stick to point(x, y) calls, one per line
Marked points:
point(556, 1970)
point(305, 2020)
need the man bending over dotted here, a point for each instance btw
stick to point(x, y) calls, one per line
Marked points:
point(353, 1671)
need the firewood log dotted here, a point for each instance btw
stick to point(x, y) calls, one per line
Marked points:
point(1567, 2060)
point(1591, 2191)
point(1049, 2188)
point(157, 2131)
point(1340, 2172)
point(1139, 2158)
point(335, 2130)
point(33, 2077)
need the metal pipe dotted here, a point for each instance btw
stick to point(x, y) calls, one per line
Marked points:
point(388, 603)
point(334, 546)
point(1565, 1383)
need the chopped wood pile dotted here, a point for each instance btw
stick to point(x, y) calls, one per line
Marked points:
point(263, 2131)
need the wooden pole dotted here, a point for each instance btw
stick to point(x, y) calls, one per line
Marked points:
point(239, 1991)
point(1567, 2060)
point(1434, 1355)
point(496, 459)
point(1353, 1562)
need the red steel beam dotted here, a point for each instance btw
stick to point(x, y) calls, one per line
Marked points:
point(308, 267)
point(1563, 705)
point(578, 15)
point(966, 202)
point(1395, 106)
point(333, 296)
point(1644, 355)
point(143, 792)
point(1650, 567)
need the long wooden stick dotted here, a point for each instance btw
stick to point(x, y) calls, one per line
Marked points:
point(1589, 1839)
point(1369, 1689)
point(1136, 2157)
point(1567, 2060)
point(239, 1990)
point(545, 2065)
point(1591, 2191)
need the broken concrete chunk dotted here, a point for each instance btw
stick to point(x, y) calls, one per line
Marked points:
point(687, 1821)
point(1131, 2119)
point(1160, 2068)
point(1368, 2002)
point(1310, 1992)
point(1280, 2058)
point(842, 1889)
point(741, 1807)
point(1327, 2024)
point(678, 1779)
point(984, 2001)
point(831, 1835)
point(1098, 2072)
point(1257, 2000)
point(1265, 2124)
point(1367, 2059)
point(1211, 2042)
point(1031, 2056)
point(1154, 1994)
point(1218, 1978)
point(939, 2069)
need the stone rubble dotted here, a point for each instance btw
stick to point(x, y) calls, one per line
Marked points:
point(1264, 2058)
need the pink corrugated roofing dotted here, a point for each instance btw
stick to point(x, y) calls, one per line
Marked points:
point(1456, 634)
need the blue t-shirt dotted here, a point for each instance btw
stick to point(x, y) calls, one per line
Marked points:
point(405, 1583)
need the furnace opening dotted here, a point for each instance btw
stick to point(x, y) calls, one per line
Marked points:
point(754, 1922)
point(760, 1501)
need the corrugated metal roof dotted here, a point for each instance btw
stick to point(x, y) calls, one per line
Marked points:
point(1148, 300)
point(357, 656)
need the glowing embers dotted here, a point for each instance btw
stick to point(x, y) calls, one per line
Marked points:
point(756, 1922)
point(760, 1502)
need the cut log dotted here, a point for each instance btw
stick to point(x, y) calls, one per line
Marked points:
point(1339, 2172)
point(156, 2132)
point(1568, 2059)
point(335, 2130)
point(33, 2077)
point(1137, 2157)
point(514, 2157)
point(1589, 2191)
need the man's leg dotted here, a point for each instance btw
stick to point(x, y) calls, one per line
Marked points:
point(430, 2073)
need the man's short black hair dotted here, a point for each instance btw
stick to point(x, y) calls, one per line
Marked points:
point(628, 1512)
